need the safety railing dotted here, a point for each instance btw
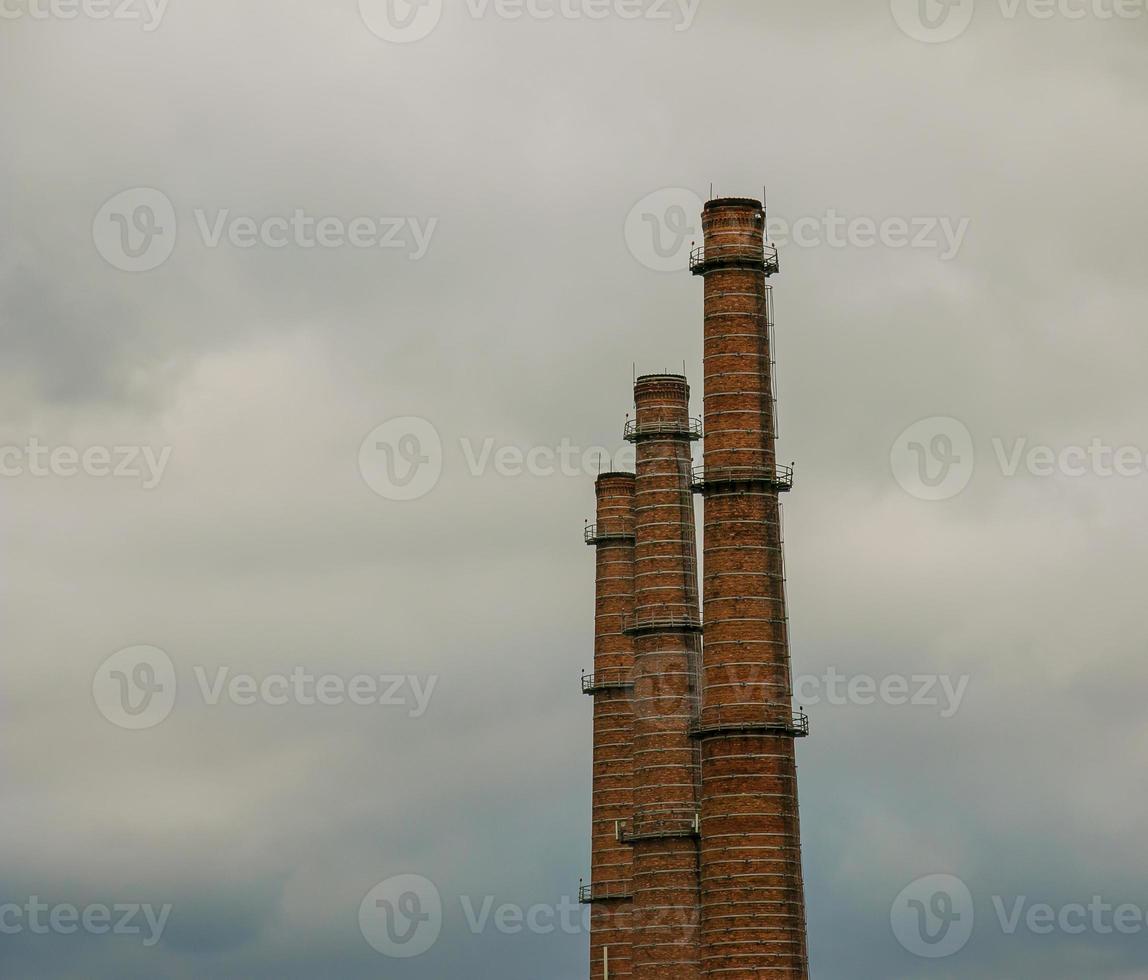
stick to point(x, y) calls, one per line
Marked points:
point(612, 679)
point(758, 718)
point(656, 826)
point(610, 891)
point(703, 258)
point(693, 429)
point(664, 619)
point(597, 533)
point(780, 478)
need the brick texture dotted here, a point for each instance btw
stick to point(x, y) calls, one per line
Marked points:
point(752, 896)
point(694, 748)
point(613, 784)
point(667, 651)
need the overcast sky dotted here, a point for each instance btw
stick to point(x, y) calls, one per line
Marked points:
point(312, 319)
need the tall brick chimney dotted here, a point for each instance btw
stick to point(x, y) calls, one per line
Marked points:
point(694, 758)
point(752, 892)
point(611, 686)
point(666, 627)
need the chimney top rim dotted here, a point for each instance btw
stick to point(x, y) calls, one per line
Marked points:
point(661, 377)
point(733, 202)
point(616, 475)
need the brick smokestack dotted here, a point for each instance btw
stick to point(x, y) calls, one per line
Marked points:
point(752, 894)
point(666, 628)
point(611, 686)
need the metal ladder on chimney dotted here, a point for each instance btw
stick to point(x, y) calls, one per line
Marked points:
point(770, 320)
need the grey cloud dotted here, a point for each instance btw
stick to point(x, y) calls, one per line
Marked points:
point(263, 547)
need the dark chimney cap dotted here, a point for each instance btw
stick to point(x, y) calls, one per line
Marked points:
point(734, 202)
point(661, 377)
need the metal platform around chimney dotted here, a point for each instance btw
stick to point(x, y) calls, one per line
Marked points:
point(601, 533)
point(659, 430)
point(732, 478)
point(607, 680)
point(660, 826)
point(669, 622)
point(609, 891)
point(705, 259)
point(748, 719)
